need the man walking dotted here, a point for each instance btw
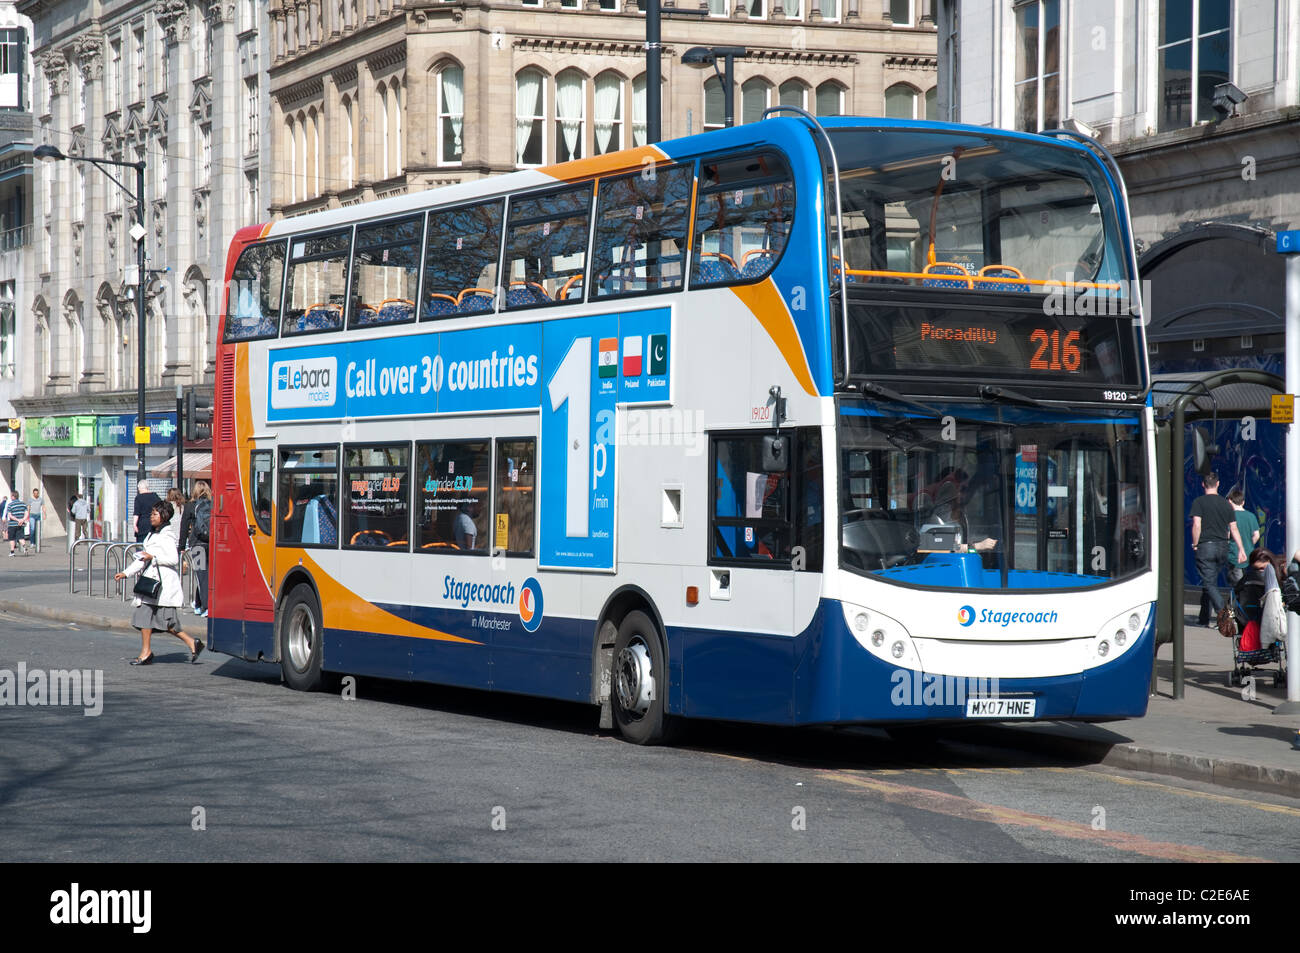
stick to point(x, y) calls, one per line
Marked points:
point(81, 515)
point(17, 513)
point(145, 498)
point(35, 513)
point(1248, 527)
point(1214, 525)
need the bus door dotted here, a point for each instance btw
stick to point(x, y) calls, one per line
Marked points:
point(259, 605)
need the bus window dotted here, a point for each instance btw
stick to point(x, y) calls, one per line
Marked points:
point(641, 230)
point(261, 466)
point(309, 485)
point(546, 247)
point(460, 263)
point(317, 284)
point(255, 287)
point(385, 270)
point(379, 493)
point(515, 501)
point(453, 510)
point(742, 219)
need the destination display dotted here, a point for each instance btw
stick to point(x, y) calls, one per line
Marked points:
point(978, 345)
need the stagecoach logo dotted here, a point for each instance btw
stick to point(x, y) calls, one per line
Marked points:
point(309, 382)
point(530, 605)
point(965, 616)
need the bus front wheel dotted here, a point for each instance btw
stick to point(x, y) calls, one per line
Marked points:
point(301, 647)
point(640, 682)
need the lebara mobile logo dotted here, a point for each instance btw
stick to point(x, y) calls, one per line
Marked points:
point(530, 605)
point(310, 382)
point(965, 616)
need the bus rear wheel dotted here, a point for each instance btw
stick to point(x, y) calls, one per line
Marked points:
point(640, 682)
point(301, 640)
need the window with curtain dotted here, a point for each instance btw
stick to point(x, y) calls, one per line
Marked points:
point(1038, 65)
point(830, 9)
point(451, 114)
point(609, 113)
point(830, 99)
point(932, 103)
point(638, 111)
point(900, 11)
point(794, 93)
point(714, 110)
point(753, 97)
point(754, 7)
point(900, 102)
point(717, 8)
point(1194, 56)
point(530, 118)
point(791, 8)
point(570, 104)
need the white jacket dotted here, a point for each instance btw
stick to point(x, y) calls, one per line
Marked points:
point(162, 547)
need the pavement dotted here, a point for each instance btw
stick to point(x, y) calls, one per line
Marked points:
point(1212, 734)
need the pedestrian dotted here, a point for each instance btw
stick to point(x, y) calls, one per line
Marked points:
point(179, 501)
point(81, 515)
point(196, 526)
point(1214, 526)
point(17, 514)
point(145, 498)
point(1248, 527)
point(159, 561)
point(35, 513)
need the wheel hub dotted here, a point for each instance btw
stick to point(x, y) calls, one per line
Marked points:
point(302, 637)
point(634, 682)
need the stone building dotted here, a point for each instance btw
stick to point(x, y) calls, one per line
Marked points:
point(1199, 101)
point(179, 84)
point(371, 98)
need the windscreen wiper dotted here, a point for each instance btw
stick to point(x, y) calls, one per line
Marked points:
point(889, 394)
point(1005, 395)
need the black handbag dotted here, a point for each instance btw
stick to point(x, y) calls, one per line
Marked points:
point(147, 588)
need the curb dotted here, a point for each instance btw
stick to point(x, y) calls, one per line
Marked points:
point(66, 615)
point(1135, 757)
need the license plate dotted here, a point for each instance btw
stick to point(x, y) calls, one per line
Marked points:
point(1000, 707)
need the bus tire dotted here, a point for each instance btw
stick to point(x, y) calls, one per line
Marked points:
point(301, 637)
point(639, 682)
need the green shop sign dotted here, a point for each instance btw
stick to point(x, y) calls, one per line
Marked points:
point(59, 431)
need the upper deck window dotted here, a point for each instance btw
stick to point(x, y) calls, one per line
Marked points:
point(385, 272)
point(460, 263)
point(641, 230)
point(979, 213)
point(255, 287)
point(318, 280)
point(742, 218)
point(546, 247)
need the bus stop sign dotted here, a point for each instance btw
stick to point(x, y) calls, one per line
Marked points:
point(1282, 409)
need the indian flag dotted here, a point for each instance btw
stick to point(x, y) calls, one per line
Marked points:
point(608, 363)
point(632, 356)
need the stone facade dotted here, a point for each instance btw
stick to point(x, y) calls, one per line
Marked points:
point(179, 84)
point(364, 105)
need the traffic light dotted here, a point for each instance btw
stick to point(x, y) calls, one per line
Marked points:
point(198, 416)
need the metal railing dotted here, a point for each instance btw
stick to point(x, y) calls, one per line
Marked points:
point(15, 238)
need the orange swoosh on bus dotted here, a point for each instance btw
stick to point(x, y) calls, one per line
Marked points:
point(625, 161)
point(346, 610)
point(768, 306)
point(241, 400)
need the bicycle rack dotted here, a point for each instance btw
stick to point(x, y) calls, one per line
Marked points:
point(72, 562)
point(128, 555)
point(90, 562)
point(116, 553)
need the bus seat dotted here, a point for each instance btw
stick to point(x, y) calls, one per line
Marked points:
point(327, 521)
point(365, 314)
point(946, 268)
point(320, 316)
point(572, 288)
point(715, 267)
point(521, 294)
point(370, 537)
point(392, 310)
point(757, 262)
point(440, 305)
point(476, 300)
point(1003, 271)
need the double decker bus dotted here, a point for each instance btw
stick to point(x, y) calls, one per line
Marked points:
point(799, 422)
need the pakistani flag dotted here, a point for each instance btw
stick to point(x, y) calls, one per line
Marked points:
point(608, 362)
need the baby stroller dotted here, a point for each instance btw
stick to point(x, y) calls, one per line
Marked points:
point(1248, 607)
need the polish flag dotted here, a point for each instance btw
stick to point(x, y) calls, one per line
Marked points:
point(632, 356)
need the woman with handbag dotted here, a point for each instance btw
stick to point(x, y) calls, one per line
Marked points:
point(158, 590)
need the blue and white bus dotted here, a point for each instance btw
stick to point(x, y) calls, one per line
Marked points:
point(800, 422)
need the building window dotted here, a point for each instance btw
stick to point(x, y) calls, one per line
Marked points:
point(753, 100)
point(78, 98)
point(717, 8)
point(1194, 57)
point(900, 101)
point(609, 113)
point(451, 114)
point(530, 118)
point(254, 211)
point(252, 114)
point(570, 106)
point(139, 64)
point(79, 196)
point(7, 362)
point(1038, 65)
point(114, 76)
point(932, 103)
point(794, 93)
point(900, 12)
point(755, 8)
point(205, 138)
point(715, 110)
point(638, 111)
point(830, 99)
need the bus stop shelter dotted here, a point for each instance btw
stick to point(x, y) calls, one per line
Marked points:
point(1180, 400)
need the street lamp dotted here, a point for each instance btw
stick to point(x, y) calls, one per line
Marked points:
point(704, 56)
point(54, 154)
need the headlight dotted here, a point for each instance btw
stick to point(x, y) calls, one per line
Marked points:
point(878, 638)
point(1103, 648)
point(1134, 622)
point(860, 622)
point(897, 649)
